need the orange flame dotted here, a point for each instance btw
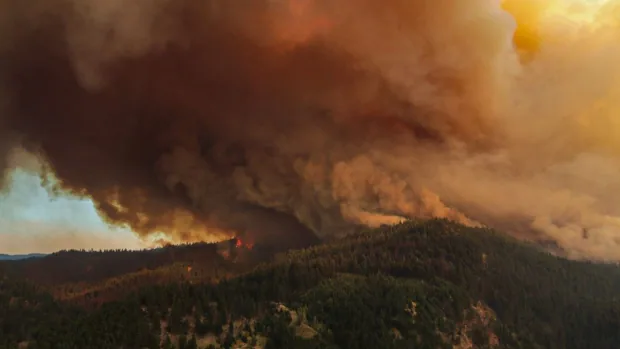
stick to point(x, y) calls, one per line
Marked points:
point(241, 244)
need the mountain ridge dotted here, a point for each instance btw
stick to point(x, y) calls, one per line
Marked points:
point(13, 257)
point(427, 284)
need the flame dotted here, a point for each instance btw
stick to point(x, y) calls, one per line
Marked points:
point(241, 244)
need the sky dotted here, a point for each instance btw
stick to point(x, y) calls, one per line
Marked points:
point(31, 220)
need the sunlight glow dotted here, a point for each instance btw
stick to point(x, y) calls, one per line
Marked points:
point(534, 17)
point(32, 220)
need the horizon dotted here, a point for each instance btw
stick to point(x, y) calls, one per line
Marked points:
point(34, 221)
point(145, 248)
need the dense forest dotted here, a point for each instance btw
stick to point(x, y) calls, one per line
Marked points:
point(431, 284)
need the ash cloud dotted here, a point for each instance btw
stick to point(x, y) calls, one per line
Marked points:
point(278, 118)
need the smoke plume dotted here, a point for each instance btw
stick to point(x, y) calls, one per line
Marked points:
point(203, 119)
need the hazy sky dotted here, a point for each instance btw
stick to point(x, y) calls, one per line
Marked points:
point(32, 221)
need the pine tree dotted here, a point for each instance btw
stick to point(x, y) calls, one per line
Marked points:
point(192, 344)
point(168, 343)
point(182, 342)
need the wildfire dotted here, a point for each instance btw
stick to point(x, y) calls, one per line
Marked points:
point(241, 244)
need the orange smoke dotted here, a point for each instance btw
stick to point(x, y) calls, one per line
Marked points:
point(304, 22)
point(295, 120)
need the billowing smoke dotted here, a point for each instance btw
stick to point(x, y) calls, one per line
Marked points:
point(204, 119)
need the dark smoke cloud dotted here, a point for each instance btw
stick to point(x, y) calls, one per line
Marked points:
point(205, 119)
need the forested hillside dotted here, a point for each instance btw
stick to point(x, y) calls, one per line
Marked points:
point(92, 266)
point(15, 257)
point(433, 284)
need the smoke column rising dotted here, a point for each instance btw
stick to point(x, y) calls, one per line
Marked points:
point(279, 118)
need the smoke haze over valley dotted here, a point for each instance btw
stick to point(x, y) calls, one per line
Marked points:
point(279, 119)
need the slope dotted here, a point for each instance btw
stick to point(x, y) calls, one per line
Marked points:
point(432, 284)
point(14, 257)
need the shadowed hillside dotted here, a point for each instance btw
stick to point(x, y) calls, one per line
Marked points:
point(91, 266)
point(14, 257)
point(91, 278)
point(433, 284)
point(72, 266)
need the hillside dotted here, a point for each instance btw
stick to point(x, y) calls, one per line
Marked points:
point(92, 266)
point(91, 278)
point(15, 257)
point(433, 284)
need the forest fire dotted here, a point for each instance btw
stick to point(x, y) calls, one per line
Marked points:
point(231, 249)
point(306, 119)
point(241, 244)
